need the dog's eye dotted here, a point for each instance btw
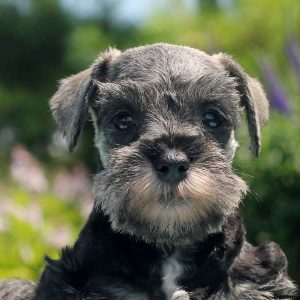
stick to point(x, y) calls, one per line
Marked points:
point(123, 122)
point(212, 119)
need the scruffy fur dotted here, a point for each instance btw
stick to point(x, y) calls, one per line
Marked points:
point(148, 237)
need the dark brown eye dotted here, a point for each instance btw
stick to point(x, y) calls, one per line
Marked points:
point(212, 119)
point(124, 122)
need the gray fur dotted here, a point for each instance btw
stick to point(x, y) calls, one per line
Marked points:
point(253, 99)
point(169, 67)
point(70, 103)
point(146, 78)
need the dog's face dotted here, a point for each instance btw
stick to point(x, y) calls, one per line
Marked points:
point(165, 118)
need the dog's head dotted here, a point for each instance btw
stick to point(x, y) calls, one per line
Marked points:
point(165, 118)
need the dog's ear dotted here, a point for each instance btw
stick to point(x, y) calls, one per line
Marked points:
point(70, 103)
point(253, 98)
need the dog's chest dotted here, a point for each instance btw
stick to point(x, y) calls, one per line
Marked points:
point(172, 269)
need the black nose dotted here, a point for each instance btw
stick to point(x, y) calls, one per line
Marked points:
point(172, 166)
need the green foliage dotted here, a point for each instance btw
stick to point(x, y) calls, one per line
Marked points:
point(46, 44)
point(34, 227)
point(271, 209)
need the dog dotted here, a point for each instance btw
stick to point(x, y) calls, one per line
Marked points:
point(165, 224)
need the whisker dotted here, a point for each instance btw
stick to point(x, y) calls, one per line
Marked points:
point(256, 196)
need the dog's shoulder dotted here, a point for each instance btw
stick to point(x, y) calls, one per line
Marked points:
point(261, 273)
point(100, 258)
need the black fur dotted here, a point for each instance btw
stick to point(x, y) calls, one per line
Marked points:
point(103, 261)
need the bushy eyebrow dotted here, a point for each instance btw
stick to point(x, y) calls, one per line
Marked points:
point(122, 89)
point(205, 92)
point(127, 93)
point(208, 87)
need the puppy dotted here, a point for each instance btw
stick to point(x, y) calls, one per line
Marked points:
point(165, 224)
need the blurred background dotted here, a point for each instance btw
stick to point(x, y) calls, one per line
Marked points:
point(45, 191)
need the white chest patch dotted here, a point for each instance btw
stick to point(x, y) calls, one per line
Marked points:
point(171, 270)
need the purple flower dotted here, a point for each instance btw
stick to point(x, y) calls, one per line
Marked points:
point(292, 51)
point(26, 170)
point(278, 97)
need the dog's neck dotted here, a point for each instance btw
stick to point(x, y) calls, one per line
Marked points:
point(225, 244)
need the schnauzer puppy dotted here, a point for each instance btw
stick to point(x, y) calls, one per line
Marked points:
point(165, 224)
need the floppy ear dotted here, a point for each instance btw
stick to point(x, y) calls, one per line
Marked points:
point(70, 103)
point(253, 98)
